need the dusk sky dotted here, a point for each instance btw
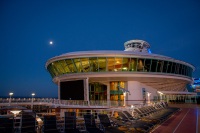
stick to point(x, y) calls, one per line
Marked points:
point(171, 27)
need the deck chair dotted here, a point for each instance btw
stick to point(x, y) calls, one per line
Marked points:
point(50, 125)
point(159, 113)
point(6, 124)
point(139, 125)
point(28, 122)
point(147, 117)
point(104, 120)
point(162, 113)
point(146, 122)
point(70, 122)
point(90, 124)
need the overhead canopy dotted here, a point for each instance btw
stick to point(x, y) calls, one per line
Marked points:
point(178, 93)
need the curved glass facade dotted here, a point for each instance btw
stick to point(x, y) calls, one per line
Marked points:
point(117, 64)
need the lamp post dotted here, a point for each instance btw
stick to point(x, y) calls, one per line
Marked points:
point(33, 94)
point(149, 100)
point(124, 98)
point(161, 94)
point(124, 93)
point(10, 94)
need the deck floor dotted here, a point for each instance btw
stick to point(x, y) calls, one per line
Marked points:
point(187, 120)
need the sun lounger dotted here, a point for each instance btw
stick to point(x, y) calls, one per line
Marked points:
point(91, 125)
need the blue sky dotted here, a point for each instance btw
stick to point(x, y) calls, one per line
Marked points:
point(26, 26)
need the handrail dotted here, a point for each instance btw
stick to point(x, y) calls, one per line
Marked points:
point(61, 103)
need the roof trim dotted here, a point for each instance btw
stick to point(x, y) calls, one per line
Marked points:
point(178, 92)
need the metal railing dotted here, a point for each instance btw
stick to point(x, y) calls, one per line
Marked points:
point(61, 103)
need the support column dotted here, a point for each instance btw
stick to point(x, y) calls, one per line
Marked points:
point(59, 90)
point(86, 90)
point(108, 94)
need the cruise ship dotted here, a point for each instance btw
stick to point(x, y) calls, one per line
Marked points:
point(127, 91)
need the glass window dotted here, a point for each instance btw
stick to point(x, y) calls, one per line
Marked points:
point(64, 66)
point(121, 84)
point(53, 69)
point(57, 67)
point(118, 64)
point(102, 64)
point(190, 72)
point(160, 66)
point(126, 62)
point(70, 65)
point(115, 93)
point(154, 65)
point(50, 71)
point(180, 69)
point(133, 64)
point(140, 65)
point(110, 63)
point(113, 86)
point(147, 65)
point(173, 67)
point(97, 91)
point(93, 64)
point(165, 66)
point(169, 68)
point(61, 67)
point(177, 68)
point(85, 64)
point(78, 65)
point(184, 70)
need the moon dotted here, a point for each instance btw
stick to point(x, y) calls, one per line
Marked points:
point(51, 42)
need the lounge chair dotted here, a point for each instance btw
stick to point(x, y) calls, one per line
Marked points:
point(6, 124)
point(70, 122)
point(28, 122)
point(130, 117)
point(104, 120)
point(50, 125)
point(153, 116)
point(137, 125)
point(91, 125)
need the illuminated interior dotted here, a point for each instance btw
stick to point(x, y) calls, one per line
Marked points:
point(98, 91)
point(117, 64)
point(115, 93)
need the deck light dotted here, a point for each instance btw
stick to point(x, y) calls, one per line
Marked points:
point(10, 94)
point(15, 112)
point(33, 94)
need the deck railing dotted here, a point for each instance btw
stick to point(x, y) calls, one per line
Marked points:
point(78, 103)
point(57, 102)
